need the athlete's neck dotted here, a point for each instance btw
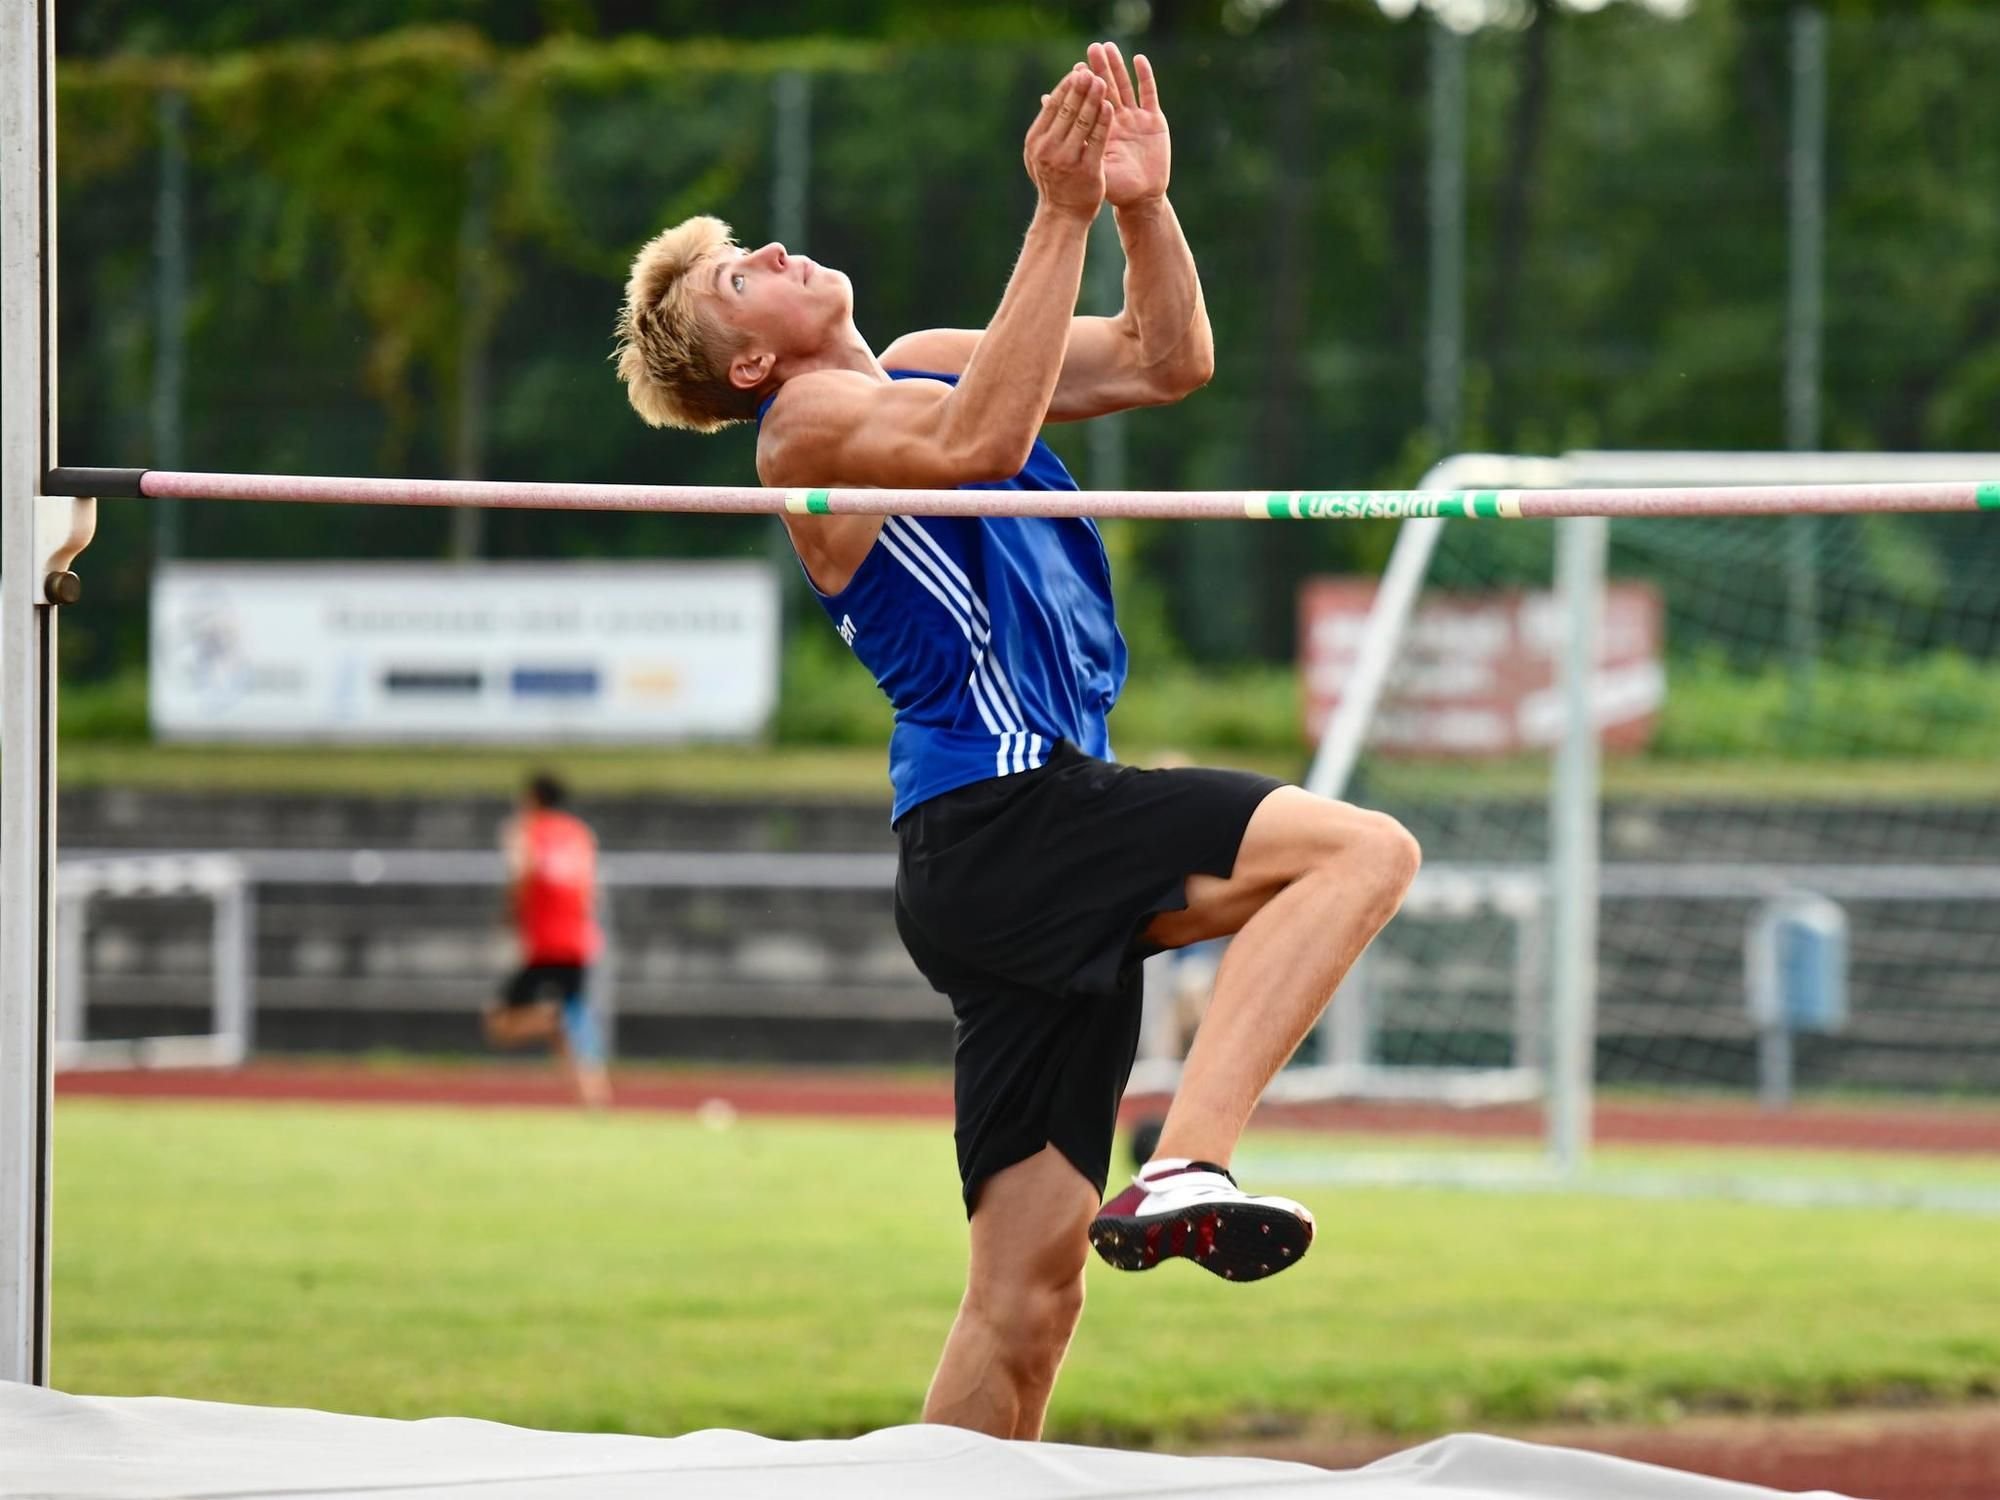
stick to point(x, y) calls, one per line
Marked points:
point(846, 350)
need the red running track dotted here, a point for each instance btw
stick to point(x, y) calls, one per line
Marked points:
point(853, 1093)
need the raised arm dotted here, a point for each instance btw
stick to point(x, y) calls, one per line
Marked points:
point(844, 427)
point(840, 427)
point(1159, 347)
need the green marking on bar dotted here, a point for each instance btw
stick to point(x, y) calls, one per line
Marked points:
point(1989, 496)
point(817, 504)
point(1484, 503)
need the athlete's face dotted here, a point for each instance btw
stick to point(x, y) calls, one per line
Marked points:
point(783, 305)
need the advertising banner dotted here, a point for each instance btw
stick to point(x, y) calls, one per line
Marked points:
point(1476, 673)
point(516, 652)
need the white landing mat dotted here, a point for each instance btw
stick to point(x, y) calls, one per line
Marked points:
point(59, 1447)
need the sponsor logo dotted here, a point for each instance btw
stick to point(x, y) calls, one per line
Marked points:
point(554, 682)
point(432, 681)
point(1365, 505)
point(652, 682)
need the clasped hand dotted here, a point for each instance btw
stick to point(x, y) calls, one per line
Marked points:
point(1099, 139)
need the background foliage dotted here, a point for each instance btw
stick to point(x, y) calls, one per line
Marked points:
point(377, 217)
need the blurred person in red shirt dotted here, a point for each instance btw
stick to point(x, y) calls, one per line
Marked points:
point(552, 890)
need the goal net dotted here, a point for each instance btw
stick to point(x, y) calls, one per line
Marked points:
point(1788, 853)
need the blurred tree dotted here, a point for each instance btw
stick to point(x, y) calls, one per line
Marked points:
point(1527, 116)
point(1626, 239)
point(99, 27)
point(95, 28)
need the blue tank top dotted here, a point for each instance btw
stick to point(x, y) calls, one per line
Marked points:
point(993, 638)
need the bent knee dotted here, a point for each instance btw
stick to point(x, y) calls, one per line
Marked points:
point(1034, 1322)
point(1384, 854)
point(1049, 1299)
point(1401, 855)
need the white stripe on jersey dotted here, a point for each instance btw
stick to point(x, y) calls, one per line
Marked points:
point(949, 572)
point(951, 603)
point(921, 556)
point(944, 558)
point(922, 544)
point(995, 722)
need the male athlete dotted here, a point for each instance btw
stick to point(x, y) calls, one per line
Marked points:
point(1035, 873)
point(552, 890)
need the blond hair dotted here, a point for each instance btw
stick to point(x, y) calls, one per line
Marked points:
point(672, 356)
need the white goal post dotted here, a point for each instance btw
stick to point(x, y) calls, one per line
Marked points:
point(1574, 883)
point(218, 878)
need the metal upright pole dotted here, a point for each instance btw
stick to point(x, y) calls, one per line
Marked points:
point(71, 1026)
point(27, 682)
point(1581, 544)
point(1805, 312)
point(475, 332)
point(791, 225)
point(234, 960)
point(791, 150)
point(170, 276)
point(1444, 346)
point(602, 998)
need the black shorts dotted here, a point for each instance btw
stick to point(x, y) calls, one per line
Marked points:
point(533, 983)
point(1025, 899)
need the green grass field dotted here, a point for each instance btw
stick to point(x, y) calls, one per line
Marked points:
point(848, 771)
point(642, 1273)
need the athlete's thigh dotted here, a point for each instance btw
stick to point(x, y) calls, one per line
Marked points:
point(1291, 831)
point(1032, 1222)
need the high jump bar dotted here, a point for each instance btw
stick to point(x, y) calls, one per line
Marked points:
point(1185, 505)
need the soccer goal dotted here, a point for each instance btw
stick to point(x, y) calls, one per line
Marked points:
point(1761, 808)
